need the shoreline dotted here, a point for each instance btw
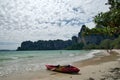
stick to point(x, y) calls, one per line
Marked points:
point(99, 58)
point(96, 68)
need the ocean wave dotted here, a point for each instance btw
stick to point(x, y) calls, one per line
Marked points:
point(27, 57)
point(5, 59)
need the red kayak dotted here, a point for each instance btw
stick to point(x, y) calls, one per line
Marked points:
point(64, 69)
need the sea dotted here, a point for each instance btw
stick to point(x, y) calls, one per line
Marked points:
point(22, 61)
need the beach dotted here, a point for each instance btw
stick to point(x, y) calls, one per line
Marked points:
point(103, 66)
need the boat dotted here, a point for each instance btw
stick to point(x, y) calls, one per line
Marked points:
point(64, 68)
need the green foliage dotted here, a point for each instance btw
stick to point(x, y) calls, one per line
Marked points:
point(102, 31)
point(75, 47)
point(116, 43)
point(115, 4)
point(110, 19)
point(91, 46)
point(107, 25)
point(106, 44)
point(86, 31)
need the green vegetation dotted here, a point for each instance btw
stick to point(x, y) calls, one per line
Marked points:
point(110, 19)
point(105, 44)
point(76, 47)
point(116, 43)
point(107, 25)
point(102, 31)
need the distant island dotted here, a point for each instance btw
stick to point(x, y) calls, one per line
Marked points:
point(88, 41)
point(6, 50)
point(105, 34)
point(45, 45)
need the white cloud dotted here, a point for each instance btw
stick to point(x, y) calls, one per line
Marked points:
point(22, 20)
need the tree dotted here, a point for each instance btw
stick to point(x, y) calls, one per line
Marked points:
point(115, 4)
point(91, 46)
point(116, 43)
point(110, 19)
point(106, 44)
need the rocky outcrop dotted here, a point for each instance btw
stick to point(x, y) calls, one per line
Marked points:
point(45, 45)
point(91, 38)
point(94, 38)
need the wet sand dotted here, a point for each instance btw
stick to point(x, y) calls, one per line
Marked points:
point(96, 68)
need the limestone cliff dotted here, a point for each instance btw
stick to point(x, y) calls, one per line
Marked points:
point(91, 38)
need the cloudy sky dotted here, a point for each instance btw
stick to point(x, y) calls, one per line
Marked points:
point(22, 20)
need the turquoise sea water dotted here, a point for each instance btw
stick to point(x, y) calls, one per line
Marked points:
point(20, 61)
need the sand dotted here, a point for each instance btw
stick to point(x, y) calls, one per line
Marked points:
point(101, 67)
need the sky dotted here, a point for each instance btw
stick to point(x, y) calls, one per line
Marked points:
point(22, 20)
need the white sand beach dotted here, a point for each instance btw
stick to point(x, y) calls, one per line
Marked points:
point(101, 67)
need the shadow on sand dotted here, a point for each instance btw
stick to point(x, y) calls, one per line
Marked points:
point(57, 72)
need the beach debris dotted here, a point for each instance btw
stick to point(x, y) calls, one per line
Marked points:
point(91, 78)
point(93, 72)
point(53, 73)
point(70, 76)
point(115, 69)
point(100, 71)
point(113, 75)
point(102, 78)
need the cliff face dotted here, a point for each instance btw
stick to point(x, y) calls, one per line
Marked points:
point(92, 38)
point(45, 45)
